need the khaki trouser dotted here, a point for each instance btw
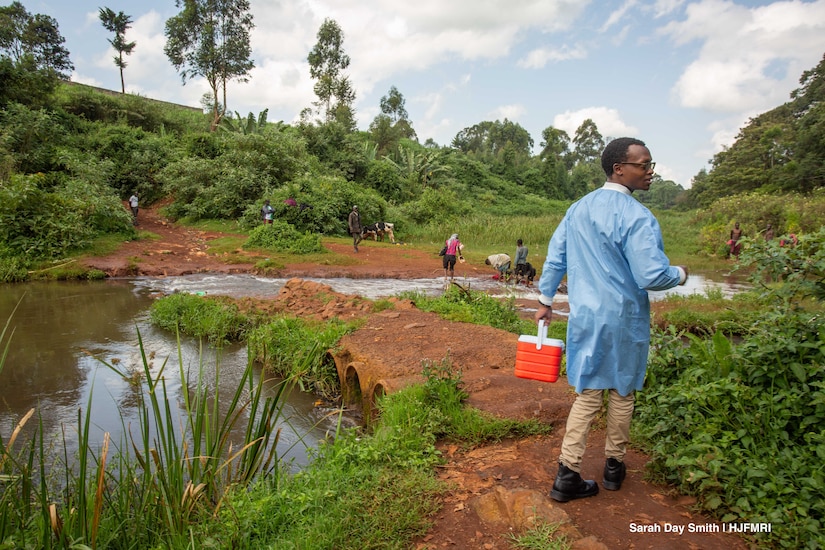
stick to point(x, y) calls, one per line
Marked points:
point(584, 410)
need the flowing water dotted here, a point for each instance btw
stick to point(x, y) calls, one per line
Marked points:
point(63, 330)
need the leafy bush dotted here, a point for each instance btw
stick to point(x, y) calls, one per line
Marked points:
point(441, 204)
point(37, 223)
point(799, 268)
point(280, 236)
point(789, 213)
point(32, 137)
point(137, 158)
point(210, 188)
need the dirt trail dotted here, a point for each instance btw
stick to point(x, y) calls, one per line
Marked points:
point(496, 489)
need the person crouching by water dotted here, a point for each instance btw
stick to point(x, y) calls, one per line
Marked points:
point(454, 248)
point(501, 263)
point(610, 247)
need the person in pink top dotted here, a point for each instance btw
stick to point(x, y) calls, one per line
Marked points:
point(454, 248)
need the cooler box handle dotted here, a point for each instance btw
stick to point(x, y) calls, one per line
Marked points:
point(542, 334)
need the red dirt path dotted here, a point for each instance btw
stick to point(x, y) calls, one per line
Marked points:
point(495, 474)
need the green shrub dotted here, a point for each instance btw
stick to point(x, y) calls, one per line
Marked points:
point(32, 137)
point(280, 236)
point(38, 222)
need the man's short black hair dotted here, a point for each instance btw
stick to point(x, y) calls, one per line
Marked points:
point(616, 151)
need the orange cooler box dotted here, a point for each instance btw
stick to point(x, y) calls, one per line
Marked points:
point(539, 357)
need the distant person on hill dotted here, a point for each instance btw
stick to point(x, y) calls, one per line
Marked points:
point(735, 245)
point(769, 233)
point(354, 224)
point(610, 247)
point(453, 251)
point(133, 204)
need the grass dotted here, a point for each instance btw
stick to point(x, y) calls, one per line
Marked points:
point(296, 348)
point(216, 319)
point(471, 306)
point(363, 491)
point(541, 537)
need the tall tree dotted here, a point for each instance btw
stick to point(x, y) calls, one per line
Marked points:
point(210, 38)
point(555, 145)
point(118, 23)
point(392, 124)
point(392, 105)
point(327, 61)
point(555, 160)
point(36, 37)
point(588, 142)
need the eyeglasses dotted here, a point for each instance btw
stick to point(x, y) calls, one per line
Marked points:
point(646, 166)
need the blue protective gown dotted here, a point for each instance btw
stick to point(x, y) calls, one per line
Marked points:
point(610, 246)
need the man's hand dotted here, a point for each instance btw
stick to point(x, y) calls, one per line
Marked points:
point(543, 312)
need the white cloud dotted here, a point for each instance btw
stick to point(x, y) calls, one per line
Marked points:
point(511, 112)
point(433, 123)
point(617, 15)
point(436, 16)
point(741, 49)
point(608, 121)
point(748, 62)
point(665, 7)
point(538, 58)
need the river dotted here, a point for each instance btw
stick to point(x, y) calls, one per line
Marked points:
point(63, 330)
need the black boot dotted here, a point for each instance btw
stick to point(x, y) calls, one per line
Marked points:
point(614, 473)
point(569, 485)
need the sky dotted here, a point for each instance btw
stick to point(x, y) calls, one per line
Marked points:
point(684, 76)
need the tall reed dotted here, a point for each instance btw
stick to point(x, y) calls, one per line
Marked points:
point(161, 481)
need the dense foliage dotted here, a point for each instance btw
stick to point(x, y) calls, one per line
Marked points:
point(740, 423)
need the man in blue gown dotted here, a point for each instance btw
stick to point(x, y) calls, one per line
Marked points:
point(610, 247)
